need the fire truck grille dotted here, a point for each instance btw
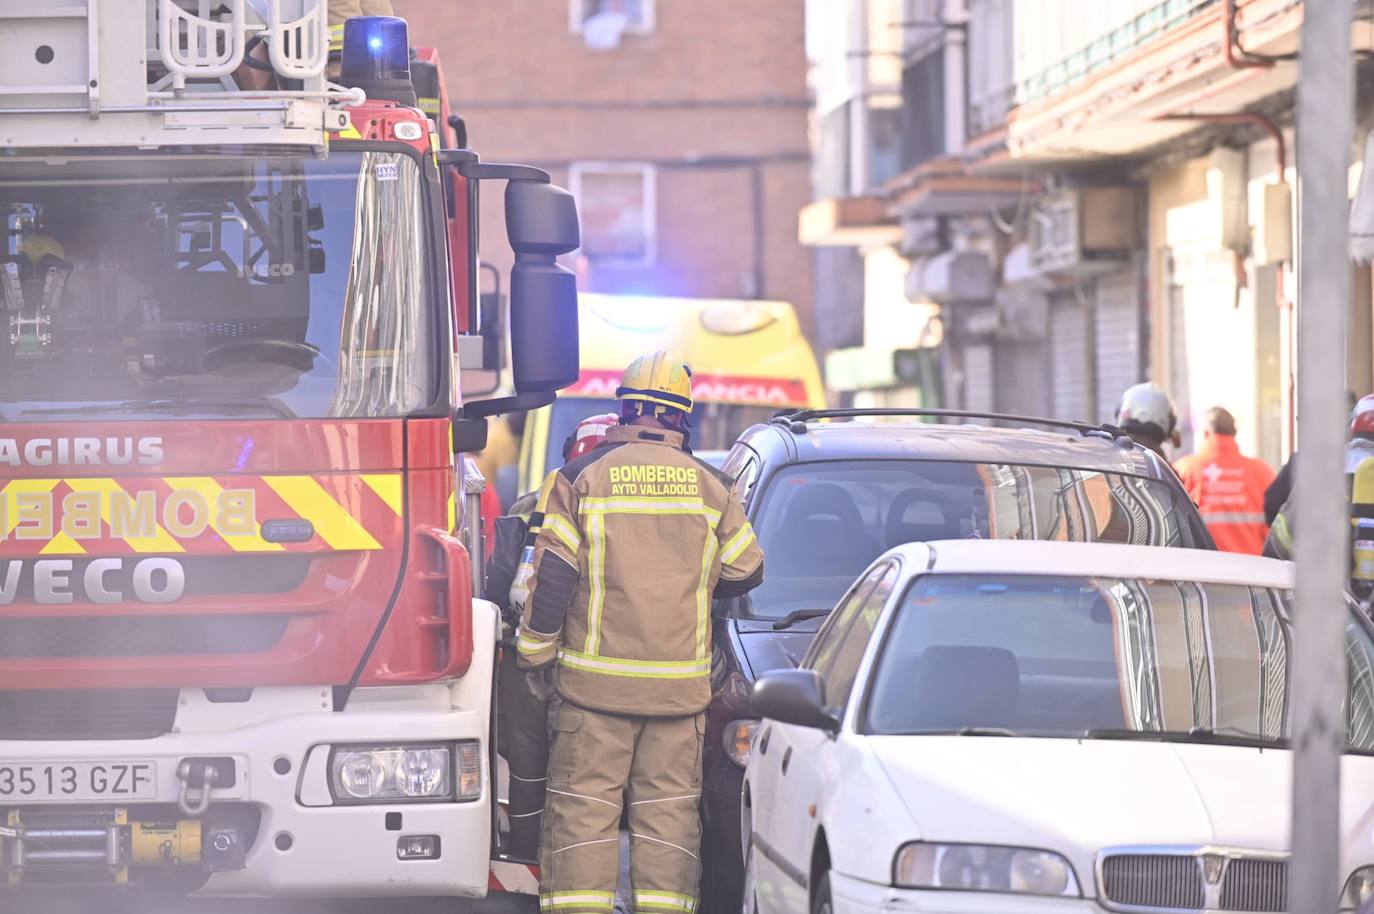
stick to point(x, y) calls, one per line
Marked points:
point(87, 713)
point(140, 636)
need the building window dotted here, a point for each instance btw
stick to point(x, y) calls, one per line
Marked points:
point(617, 206)
point(635, 17)
point(923, 109)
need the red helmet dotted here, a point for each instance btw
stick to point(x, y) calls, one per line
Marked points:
point(1362, 417)
point(588, 435)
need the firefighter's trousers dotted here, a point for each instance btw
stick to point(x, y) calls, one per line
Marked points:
point(598, 761)
point(524, 744)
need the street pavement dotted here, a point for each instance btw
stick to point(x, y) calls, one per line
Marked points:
point(64, 903)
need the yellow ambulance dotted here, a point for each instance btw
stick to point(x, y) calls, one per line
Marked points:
point(749, 360)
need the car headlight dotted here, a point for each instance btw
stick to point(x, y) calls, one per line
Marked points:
point(737, 739)
point(1359, 888)
point(388, 774)
point(984, 868)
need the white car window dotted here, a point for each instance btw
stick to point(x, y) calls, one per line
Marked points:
point(838, 621)
point(838, 659)
point(1044, 655)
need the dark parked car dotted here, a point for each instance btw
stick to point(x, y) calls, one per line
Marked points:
point(828, 493)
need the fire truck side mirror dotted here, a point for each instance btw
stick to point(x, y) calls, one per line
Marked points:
point(541, 224)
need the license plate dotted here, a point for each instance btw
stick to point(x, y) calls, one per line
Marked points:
point(78, 780)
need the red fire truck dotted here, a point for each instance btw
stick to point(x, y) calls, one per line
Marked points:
point(240, 652)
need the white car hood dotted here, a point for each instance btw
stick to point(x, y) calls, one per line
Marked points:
point(1078, 797)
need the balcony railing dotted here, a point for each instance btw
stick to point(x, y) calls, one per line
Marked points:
point(1053, 53)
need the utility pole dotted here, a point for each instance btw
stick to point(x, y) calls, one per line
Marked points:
point(1325, 116)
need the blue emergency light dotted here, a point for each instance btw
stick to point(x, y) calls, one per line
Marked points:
point(376, 58)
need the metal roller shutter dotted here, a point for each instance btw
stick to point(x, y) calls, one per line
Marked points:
point(1021, 377)
point(1117, 348)
point(978, 379)
point(1068, 359)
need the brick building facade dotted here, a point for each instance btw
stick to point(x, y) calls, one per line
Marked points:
point(681, 126)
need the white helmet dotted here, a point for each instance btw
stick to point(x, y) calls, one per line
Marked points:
point(1148, 408)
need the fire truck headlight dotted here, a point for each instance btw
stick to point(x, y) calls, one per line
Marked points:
point(388, 774)
point(359, 775)
point(424, 772)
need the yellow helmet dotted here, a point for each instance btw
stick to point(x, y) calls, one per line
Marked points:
point(658, 379)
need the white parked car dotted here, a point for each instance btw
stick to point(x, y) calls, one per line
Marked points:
point(1044, 727)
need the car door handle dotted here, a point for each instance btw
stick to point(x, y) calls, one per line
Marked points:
point(786, 759)
point(763, 740)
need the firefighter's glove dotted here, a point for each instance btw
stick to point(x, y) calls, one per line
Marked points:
point(540, 682)
point(510, 627)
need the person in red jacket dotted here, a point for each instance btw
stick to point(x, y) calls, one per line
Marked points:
point(1227, 486)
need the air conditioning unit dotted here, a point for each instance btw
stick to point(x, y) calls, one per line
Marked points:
point(1086, 229)
point(951, 278)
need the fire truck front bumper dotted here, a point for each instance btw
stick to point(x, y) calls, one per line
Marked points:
point(377, 803)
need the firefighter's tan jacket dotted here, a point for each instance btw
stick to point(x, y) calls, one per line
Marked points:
point(637, 537)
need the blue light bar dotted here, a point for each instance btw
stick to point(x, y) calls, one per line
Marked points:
point(375, 49)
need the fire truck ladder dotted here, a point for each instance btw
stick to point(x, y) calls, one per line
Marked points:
point(152, 80)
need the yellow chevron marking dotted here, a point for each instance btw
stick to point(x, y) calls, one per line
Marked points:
point(211, 490)
point(159, 541)
point(388, 488)
point(350, 133)
point(453, 514)
point(20, 487)
point(309, 499)
point(62, 544)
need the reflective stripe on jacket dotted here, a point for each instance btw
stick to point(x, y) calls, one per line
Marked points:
point(637, 538)
point(1228, 488)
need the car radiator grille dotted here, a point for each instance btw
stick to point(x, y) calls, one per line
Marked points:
point(1154, 881)
point(1255, 885)
point(1180, 882)
point(87, 713)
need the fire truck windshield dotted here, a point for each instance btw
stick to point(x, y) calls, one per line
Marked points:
point(272, 286)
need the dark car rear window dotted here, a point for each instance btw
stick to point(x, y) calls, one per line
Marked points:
point(821, 524)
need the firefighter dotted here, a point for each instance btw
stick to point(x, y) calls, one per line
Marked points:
point(341, 11)
point(637, 538)
point(1148, 416)
point(1359, 469)
point(1227, 486)
point(523, 721)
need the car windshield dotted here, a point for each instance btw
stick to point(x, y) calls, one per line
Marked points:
point(1089, 657)
point(246, 286)
point(821, 524)
point(715, 426)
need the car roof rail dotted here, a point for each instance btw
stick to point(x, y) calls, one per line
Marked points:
point(797, 419)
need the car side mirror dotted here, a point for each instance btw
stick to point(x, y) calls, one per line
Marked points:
point(469, 435)
point(793, 697)
point(541, 224)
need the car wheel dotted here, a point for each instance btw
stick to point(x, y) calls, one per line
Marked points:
point(821, 903)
